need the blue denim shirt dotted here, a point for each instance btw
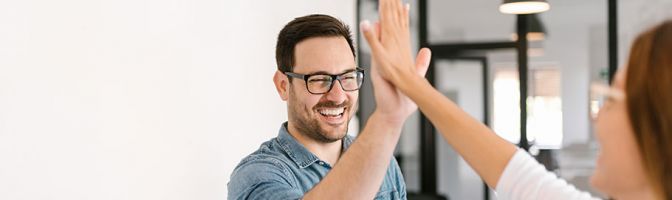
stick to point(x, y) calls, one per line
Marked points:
point(282, 168)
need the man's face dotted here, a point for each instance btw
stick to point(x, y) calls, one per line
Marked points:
point(322, 117)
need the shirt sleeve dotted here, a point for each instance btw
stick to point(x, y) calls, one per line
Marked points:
point(399, 178)
point(262, 179)
point(524, 178)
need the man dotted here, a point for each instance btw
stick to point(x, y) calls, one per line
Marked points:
point(318, 78)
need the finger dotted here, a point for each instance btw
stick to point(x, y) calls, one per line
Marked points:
point(371, 36)
point(376, 79)
point(406, 17)
point(383, 11)
point(422, 61)
point(399, 10)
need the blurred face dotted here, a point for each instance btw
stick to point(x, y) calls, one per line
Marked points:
point(619, 170)
point(321, 117)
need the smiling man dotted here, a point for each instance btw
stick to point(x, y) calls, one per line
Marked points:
point(318, 78)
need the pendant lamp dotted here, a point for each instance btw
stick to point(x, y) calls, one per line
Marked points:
point(524, 6)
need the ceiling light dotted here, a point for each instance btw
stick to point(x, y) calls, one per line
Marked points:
point(524, 6)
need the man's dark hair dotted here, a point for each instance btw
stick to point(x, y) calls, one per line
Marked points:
point(305, 27)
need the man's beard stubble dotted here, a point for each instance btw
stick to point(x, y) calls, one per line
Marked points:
point(310, 127)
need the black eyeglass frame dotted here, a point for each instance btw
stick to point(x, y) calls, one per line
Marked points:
point(334, 77)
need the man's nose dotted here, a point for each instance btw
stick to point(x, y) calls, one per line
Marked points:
point(336, 94)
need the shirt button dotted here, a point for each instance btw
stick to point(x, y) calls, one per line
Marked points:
point(321, 163)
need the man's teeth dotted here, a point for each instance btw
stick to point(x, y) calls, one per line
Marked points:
point(336, 111)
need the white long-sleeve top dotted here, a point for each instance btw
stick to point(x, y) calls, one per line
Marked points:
point(524, 178)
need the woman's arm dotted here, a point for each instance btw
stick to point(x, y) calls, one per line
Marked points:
point(486, 152)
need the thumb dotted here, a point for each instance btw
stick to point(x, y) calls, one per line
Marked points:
point(371, 36)
point(422, 61)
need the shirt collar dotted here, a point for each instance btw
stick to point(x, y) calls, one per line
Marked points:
point(296, 151)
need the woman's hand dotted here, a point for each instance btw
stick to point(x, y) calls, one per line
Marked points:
point(390, 42)
point(390, 101)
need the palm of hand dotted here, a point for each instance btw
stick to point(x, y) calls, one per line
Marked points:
point(389, 99)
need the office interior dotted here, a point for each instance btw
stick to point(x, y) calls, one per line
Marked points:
point(478, 63)
point(146, 99)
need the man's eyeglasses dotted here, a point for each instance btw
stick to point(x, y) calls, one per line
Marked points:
point(322, 83)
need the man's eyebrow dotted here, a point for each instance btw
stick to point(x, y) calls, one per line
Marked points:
point(327, 73)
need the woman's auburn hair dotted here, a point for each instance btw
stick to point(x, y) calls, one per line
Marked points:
point(649, 102)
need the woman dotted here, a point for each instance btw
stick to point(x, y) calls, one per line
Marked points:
point(634, 127)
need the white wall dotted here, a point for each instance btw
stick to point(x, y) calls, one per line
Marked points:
point(137, 99)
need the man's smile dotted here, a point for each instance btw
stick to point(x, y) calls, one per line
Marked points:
point(332, 116)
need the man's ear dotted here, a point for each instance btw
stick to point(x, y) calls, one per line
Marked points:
point(281, 85)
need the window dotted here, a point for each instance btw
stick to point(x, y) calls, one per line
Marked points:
point(544, 118)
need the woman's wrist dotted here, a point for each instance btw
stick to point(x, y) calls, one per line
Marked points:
point(406, 82)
